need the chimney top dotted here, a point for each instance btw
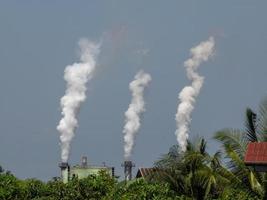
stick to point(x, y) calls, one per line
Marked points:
point(84, 161)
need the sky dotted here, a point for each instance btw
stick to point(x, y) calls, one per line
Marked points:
point(38, 39)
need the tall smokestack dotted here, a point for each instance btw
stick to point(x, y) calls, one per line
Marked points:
point(187, 96)
point(65, 170)
point(136, 108)
point(128, 165)
point(76, 76)
point(84, 161)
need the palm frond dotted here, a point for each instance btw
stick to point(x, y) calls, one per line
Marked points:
point(255, 185)
point(250, 125)
point(215, 160)
point(202, 146)
point(262, 120)
point(172, 158)
point(236, 164)
point(235, 181)
point(233, 138)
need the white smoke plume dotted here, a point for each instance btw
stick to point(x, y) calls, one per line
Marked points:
point(136, 108)
point(187, 96)
point(76, 76)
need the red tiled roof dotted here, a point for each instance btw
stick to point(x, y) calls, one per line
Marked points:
point(256, 153)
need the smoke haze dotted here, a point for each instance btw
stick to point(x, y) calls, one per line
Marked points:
point(187, 96)
point(76, 77)
point(136, 108)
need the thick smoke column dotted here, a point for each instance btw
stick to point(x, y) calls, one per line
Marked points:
point(136, 108)
point(187, 96)
point(76, 76)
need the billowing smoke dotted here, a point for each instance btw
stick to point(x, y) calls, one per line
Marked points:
point(187, 96)
point(136, 108)
point(76, 76)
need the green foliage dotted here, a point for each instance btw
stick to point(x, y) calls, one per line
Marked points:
point(141, 189)
point(11, 188)
point(34, 188)
point(234, 144)
point(193, 173)
point(230, 193)
point(100, 187)
point(92, 187)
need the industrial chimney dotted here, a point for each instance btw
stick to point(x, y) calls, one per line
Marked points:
point(65, 169)
point(128, 165)
point(84, 161)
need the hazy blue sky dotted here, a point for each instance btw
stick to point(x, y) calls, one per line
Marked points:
point(39, 38)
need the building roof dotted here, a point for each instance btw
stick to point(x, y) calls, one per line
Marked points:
point(256, 153)
point(90, 167)
point(145, 172)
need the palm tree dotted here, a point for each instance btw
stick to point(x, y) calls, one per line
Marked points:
point(234, 143)
point(193, 173)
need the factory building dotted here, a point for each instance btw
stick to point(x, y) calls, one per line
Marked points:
point(82, 170)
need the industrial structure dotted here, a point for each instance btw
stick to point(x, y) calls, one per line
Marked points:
point(83, 170)
point(128, 166)
point(65, 170)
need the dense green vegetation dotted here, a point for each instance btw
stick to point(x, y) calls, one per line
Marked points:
point(93, 187)
point(194, 174)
